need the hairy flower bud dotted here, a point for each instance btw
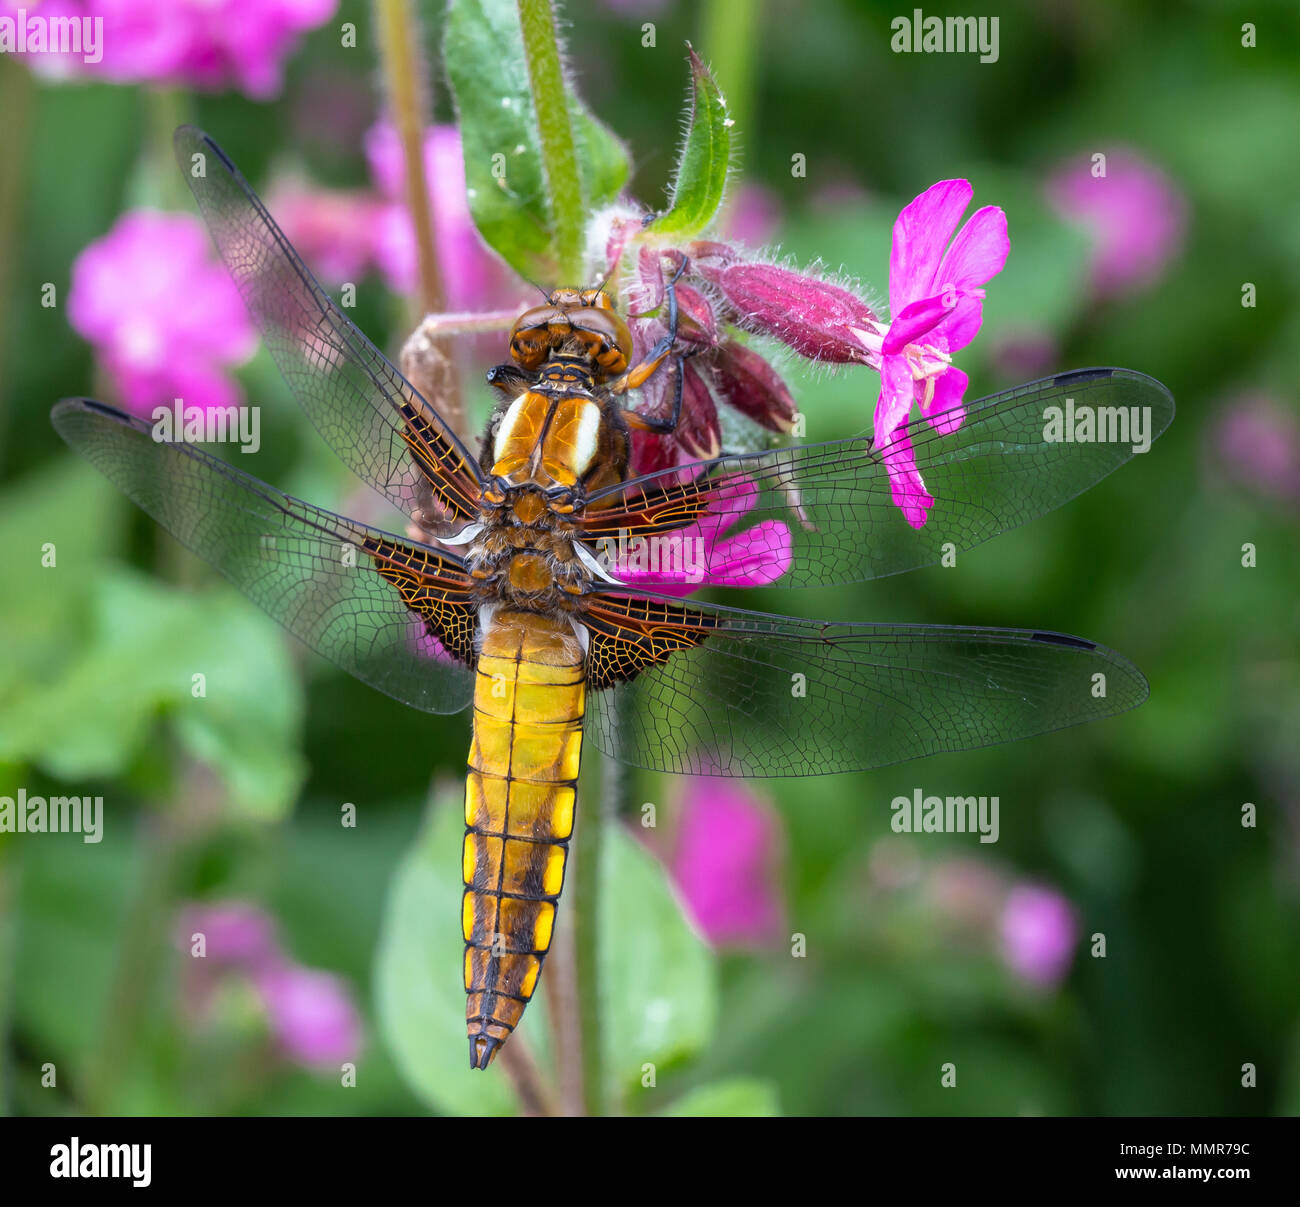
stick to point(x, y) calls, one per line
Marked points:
point(697, 321)
point(817, 319)
point(746, 381)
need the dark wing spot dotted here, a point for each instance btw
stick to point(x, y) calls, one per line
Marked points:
point(1079, 376)
point(1062, 639)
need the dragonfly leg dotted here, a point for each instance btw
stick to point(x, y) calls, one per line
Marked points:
point(638, 375)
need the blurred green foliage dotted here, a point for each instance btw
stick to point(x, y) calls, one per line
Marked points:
point(1137, 820)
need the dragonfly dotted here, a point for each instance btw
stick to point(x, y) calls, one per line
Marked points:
point(509, 601)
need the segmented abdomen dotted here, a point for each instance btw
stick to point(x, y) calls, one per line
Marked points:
point(519, 802)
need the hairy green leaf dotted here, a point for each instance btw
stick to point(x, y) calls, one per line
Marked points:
point(531, 223)
point(701, 175)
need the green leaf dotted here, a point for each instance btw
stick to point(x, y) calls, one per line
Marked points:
point(701, 175)
point(90, 715)
point(534, 222)
point(656, 974)
point(740, 1098)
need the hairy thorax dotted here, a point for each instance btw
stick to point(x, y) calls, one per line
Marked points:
point(529, 566)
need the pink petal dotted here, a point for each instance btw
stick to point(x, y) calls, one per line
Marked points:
point(921, 232)
point(726, 862)
point(945, 411)
point(895, 401)
point(905, 483)
point(917, 319)
point(961, 326)
point(753, 558)
point(979, 251)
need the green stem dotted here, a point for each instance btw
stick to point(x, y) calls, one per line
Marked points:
point(559, 150)
point(168, 109)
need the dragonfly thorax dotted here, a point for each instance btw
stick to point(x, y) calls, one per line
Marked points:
point(533, 567)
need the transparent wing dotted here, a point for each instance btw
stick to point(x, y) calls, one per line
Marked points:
point(372, 417)
point(696, 689)
point(391, 612)
point(827, 509)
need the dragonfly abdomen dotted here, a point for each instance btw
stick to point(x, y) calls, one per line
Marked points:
point(519, 801)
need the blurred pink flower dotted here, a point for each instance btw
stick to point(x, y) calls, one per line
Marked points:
point(311, 1014)
point(1023, 353)
point(936, 304)
point(1039, 931)
point(165, 319)
point(474, 279)
point(753, 558)
point(726, 863)
point(333, 230)
point(753, 215)
point(1134, 214)
point(204, 44)
point(1256, 443)
point(234, 932)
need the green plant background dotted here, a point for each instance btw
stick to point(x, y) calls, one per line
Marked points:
point(1137, 819)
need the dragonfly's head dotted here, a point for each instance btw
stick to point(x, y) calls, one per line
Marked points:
point(576, 322)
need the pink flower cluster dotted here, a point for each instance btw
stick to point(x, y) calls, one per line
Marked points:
point(203, 44)
point(342, 235)
point(162, 313)
point(310, 1013)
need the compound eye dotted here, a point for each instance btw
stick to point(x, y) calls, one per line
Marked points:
point(598, 299)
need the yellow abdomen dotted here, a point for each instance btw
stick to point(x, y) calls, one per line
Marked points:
point(519, 802)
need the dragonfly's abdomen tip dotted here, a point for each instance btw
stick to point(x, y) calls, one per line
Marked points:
point(482, 1048)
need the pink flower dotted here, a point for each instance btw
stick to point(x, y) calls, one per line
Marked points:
point(726, 863)
point(1134, 214)
point(333, 231)
point(205, 44)
point(311, 1014)
point(162, 313)
point(473, 278)
point(234, 933)
point(753, 215)
point(1039, 931)
point(702, 555)
point(1257, 443)
point(936, 279)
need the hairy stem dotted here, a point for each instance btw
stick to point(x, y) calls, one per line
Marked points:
point(559, 150)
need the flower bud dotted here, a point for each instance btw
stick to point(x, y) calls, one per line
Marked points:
point(746, 381)
point(817, 319)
